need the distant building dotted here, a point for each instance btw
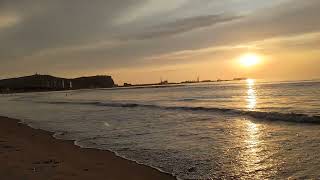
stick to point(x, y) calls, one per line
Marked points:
point(164, 82)
point(127, 84)
point(63, 86)
point(239, 79)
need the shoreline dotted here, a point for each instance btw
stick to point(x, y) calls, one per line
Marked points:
point(36, 154)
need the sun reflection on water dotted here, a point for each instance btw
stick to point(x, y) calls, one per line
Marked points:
point(251, 95)
point(251, 156)
point(252, 139)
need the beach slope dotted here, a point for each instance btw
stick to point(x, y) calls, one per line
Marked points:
point(26, 153)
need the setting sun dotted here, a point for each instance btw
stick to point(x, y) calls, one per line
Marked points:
point(249, 60)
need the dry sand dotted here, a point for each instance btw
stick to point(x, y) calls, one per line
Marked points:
point(29, 154)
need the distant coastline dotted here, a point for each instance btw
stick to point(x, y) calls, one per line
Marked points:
point(43, 83)
point(166, 83)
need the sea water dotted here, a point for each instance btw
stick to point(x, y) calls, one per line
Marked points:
point(240, 130)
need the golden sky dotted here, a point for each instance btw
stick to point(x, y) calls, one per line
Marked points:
point(142, 41)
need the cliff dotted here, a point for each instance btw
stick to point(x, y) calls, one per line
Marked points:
point(93, 82)
point(48, 83)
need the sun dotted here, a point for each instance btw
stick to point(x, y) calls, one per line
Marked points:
point(249, 59)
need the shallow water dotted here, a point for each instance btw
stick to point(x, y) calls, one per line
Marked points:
point(247, 130)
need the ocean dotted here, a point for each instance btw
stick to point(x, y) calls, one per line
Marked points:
point(241, 130)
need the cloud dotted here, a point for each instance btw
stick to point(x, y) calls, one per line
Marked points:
point(272, 45)
point(7, 21)
point(286, 19)
point(59, 36)
point(183, 25)
point(148, 9)
point(55, 24)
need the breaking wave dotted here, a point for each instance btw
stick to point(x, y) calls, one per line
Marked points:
point(271, 116)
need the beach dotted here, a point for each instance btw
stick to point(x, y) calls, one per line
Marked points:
point(28, 153)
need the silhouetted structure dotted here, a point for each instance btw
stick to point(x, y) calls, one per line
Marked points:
point(48, 83)
point(93, 82)
point(163, 82)
point(239, 79)
point(127, 84)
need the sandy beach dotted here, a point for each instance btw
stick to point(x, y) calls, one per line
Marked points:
point(26, 153)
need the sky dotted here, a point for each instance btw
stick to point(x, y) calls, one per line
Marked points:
point(141, 41)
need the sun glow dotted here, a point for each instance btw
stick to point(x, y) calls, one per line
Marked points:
point(249, 60)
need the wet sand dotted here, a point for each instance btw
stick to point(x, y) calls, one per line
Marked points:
point(26, 153)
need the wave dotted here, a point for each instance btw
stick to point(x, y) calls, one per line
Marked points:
point(271, 116)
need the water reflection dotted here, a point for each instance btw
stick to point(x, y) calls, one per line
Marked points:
point(251, 95)
point(252, 141)
point(250, 155)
